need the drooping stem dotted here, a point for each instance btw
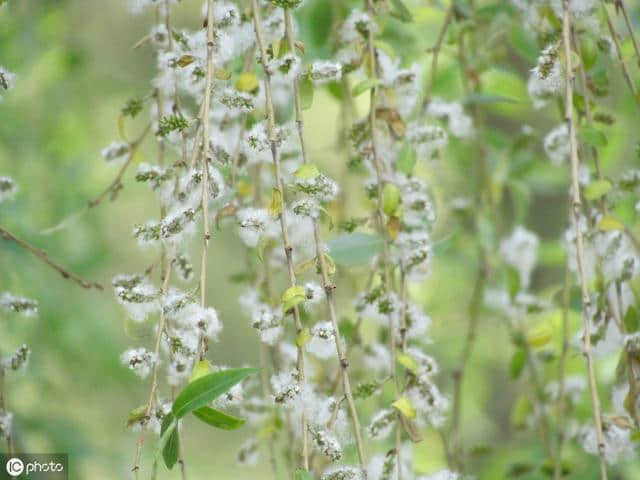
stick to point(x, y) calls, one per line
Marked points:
point(288, 249)
point(576, 207)
point(564, 352)
point(621, 7)
point(202, 347)
point(154, 373)
point(435, 52)
point(329, 287)
point(44, 256)
point(623, 64)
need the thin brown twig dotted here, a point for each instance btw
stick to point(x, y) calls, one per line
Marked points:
point(112, 189)
point(329, 287)
point(202, 346)
point(435, 52)
point(620, 6)
point(623, 64)
point(576, 207)
point(44, 256)
point(288, 249)
point(154, 372)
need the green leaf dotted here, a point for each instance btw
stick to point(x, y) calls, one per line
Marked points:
point(594, 137)
point(364, 85)
point(390, 198)
point(354, 249)
point(306, 92)
point(406, 159)
point(169, 441)
point(202, 368)
point(517, 363)
point(293, 296)
point(408, 362)
point(400, 11)
point(597, 189)
point(513, 281)
point(632, 319)
point(218, 419)
point(303, 475)
point(307, 172)
point(609, 223)
point(539, 337)
point(275, 208)
point(303, 337)
point(204, 390)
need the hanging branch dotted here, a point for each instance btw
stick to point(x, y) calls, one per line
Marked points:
point(576, 207)
point(329, 287)
point(435, 52)
point(620, 6)
point(288, 249)
point(202, 344)
point(112, 190)
point(154, 372)
point(44, 256)
point(623, 64)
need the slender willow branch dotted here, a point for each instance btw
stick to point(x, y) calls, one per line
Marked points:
point(623, 64)
point(113, 189)
point(576, 207)
point(205, 167)
point(619, 4)
point(380, 222)
point(329, 287)
point(435, 51)
point(154, 373)
point(561, 405)
point(44, 256)
point(288, 249)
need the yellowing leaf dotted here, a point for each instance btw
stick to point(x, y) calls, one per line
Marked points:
point(247, 82)
point(393, 119)
point(200, 369)
point(222, 73)
point(185, 60)
point(407, 362)
point(304, 266)
point(539, 337)
point(405, 407)
point(293, 296)
point(608, 224)
point(597, 189)
point(393, 226)
point(303, 337)
point(275, 208)
point(244, 188)
point(307, 172)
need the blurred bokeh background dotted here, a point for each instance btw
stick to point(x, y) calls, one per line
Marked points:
point(76, 69)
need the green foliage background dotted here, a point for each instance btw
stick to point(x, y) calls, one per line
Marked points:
point(76, 69)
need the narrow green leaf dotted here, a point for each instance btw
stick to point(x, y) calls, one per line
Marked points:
point(594, 137)
point(406, 159)
point(400, 11)
point(169, 441)
point(218, 419)
point(364, 85)
point(516, 365)
point(204, 390)
point(597, 189)
point(354, 248)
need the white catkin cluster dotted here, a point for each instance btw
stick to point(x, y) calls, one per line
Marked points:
point(280, 225)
